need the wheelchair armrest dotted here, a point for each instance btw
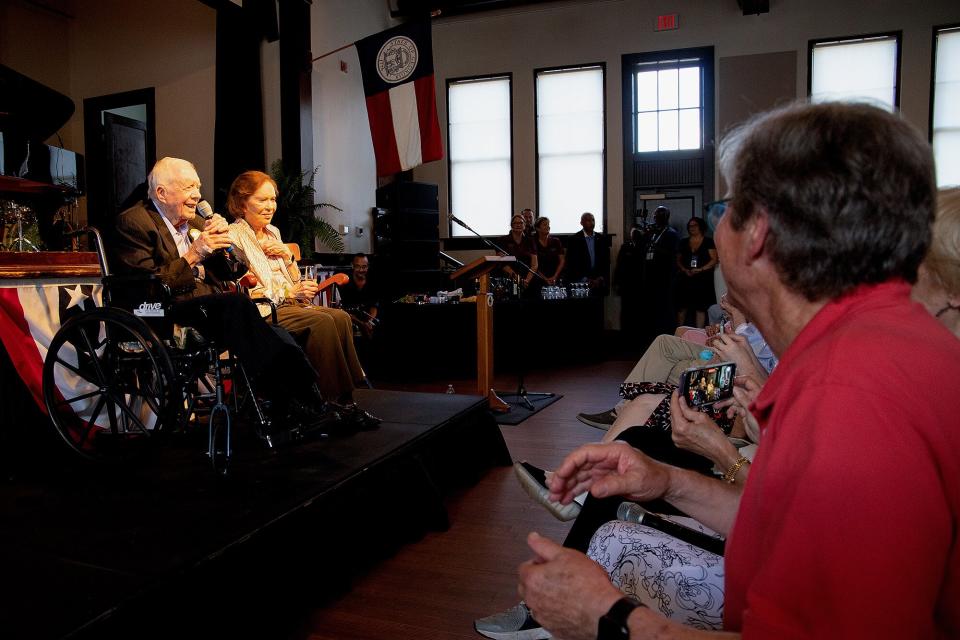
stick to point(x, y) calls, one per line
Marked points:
point(124, 289)
point(145, 295)
point(273, 307)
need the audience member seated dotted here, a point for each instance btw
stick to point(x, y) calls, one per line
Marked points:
point(326, 334)
point(628, 553)
point(359, 298)
point(696, 259)
point(834, 303)
point(669, 356)
point(680, 579)
point(152, 237)
point(645, 563)
point(588, 256)
point(550, 252)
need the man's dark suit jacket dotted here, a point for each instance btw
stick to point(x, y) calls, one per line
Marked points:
point(141, 243)
point(578, 258)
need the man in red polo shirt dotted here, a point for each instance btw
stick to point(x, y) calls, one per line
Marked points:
point(848, 525)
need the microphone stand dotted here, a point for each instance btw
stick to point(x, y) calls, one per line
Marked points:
point(522, 394)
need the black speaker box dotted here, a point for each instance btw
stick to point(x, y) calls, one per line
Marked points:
point(408, 195)
point(406, 224)
point(754, 7)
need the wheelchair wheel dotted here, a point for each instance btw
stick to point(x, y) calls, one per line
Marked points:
point(108, 384)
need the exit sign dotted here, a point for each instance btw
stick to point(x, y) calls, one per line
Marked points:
point(667, 22)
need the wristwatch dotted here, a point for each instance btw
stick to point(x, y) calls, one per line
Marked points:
point(613, 624)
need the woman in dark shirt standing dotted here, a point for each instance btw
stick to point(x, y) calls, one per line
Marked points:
point(550, 253)
point(517, 243)
point(696, 259)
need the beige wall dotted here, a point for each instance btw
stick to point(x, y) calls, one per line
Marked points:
point(341, 134)
point(561, 33)
point(35, 42)
point(111, 46)
point(118, 45)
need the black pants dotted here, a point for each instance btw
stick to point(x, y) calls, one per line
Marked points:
point(272, 358)
point(657, 444)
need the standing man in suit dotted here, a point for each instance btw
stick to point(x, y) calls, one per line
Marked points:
point(588, 256)
point(529, 222)
point(154, 237)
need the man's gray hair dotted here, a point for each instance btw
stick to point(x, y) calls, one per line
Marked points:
point(163, 171)
point(848, 190)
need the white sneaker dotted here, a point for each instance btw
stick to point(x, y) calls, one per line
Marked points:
point(515, 623)
point(534, 482)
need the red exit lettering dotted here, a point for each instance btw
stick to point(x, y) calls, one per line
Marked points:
point(667, 22)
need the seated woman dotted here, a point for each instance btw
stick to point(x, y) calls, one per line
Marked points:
point(326, 334)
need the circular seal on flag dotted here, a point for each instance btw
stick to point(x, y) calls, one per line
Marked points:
point(397, 59)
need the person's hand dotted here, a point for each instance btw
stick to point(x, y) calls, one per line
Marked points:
point(216, 224)
point(609, 470)
point(732, 347)
point(745, 391)
point(306, 289)
point(366, 328)
point(215, 235)
point(695, 431)
point(566, 591)
point(273, 248)
point(736, 316)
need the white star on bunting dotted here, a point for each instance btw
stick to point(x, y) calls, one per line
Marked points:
point(76, 297)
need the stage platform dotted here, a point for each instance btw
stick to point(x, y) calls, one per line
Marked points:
point(171, 550)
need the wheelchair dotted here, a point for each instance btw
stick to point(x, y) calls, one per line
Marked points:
point(119, 376)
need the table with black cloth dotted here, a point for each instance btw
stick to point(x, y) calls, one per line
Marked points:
point(431, 341)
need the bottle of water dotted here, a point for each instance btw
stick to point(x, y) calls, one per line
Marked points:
point(450, 389)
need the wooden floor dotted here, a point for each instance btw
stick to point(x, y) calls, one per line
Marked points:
point(435, 588)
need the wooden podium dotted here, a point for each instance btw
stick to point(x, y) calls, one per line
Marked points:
point(480, 269)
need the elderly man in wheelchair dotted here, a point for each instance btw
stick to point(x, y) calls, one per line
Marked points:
point(172, 268)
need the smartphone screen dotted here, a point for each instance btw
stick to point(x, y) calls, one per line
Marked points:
point(702, 386)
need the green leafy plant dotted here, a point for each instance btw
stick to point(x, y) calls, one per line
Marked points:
point(296, 203)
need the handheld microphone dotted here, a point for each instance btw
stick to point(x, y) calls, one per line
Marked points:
point(205, 211)
point(632, 512)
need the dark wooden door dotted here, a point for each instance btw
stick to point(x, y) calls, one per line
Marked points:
point(120, 150)
point(125, 156)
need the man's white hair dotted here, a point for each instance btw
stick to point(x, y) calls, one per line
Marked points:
point(166, 170)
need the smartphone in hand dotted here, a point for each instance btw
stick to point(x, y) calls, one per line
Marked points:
point(703, 386)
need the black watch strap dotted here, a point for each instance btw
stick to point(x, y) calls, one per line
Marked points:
point(613, 624)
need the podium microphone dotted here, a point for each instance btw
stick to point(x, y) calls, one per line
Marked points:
point(632, 512)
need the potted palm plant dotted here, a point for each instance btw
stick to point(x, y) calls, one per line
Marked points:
point(296, 203)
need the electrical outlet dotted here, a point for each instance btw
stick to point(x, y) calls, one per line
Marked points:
point(359, 231)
